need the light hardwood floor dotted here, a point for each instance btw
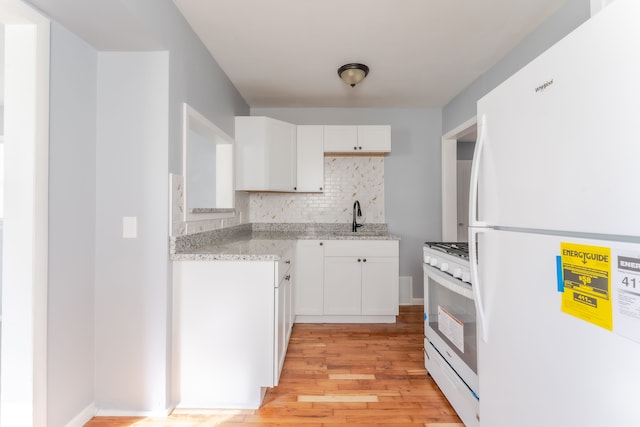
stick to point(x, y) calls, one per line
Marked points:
point(337, 375)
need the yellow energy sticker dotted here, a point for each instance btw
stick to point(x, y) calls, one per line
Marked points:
point(586, 272)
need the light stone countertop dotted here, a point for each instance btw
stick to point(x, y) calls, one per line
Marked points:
point(264, 242)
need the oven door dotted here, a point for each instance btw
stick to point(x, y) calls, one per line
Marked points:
point(450, 322)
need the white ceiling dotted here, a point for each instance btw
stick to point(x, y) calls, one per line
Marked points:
point(285, 53)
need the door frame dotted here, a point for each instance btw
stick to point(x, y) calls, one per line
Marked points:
point(449, 178)
point(23, 379)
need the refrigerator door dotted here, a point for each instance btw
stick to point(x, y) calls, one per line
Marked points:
point(540, 366)
point(560, 143)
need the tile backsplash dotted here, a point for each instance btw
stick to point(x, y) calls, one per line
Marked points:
point(346, 179)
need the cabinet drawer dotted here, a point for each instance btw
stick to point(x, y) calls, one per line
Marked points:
point(361, 248)
point(284, 265)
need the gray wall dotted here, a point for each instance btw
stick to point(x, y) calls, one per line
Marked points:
point(195, 75)
point(412, 171)
point(116, 128)
point(567, 18)
point(131, 276)
point(72, 220)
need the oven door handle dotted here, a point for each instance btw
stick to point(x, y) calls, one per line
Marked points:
point(449, 282)
point(475, 282)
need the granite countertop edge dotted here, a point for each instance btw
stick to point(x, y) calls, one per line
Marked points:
point(263, 242)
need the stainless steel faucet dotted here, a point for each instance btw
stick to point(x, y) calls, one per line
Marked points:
point(358, 212)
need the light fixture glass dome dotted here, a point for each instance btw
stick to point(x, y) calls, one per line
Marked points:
point(353, 73)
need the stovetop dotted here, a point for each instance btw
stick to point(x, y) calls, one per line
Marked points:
point(458, 249)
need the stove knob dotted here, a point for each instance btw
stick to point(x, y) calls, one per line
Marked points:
point(444, 266)
point(433, 262)
point(466, 277)
point(427, 259)
point(457, 273)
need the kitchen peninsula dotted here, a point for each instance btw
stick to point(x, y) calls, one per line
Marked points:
point(238, 291)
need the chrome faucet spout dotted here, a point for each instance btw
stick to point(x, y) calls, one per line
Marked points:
point(356, 212)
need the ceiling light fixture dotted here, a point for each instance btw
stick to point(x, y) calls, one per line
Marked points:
point(353, 74)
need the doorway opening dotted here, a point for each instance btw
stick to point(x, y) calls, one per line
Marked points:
point(23, 357)
point(457, 155)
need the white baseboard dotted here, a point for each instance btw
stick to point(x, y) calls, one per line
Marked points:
point(406, 290)
point(83, 417)
point(119, 413)
point(345, 319)
point(417, 301)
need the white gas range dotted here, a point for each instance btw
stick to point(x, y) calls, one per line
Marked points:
point(451, 258)
point(450, 343)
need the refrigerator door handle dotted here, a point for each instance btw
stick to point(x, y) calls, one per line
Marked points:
point(475, 172)
point(475, 282)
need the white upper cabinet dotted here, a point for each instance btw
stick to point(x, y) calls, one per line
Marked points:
point(340, 139)
point(266, 154)
point(310, 159)
point(374, 139)
point(357, 139)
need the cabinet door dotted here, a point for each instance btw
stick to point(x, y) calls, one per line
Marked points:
point(309, 277)
point(251, 148)
point(281, 153)
point(310, 152)
point(342, 293)
point(374, 139)
point(280, 339)
point(265, 154)
point(380, 278)
point(340, 139)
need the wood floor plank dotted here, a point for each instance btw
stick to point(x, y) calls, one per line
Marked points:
point(339, 369)
point(352, 377)
point(342, 398)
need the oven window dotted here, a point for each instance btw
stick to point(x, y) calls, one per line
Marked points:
point(453, 317)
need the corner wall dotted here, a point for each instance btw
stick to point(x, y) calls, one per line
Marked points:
point(72, 219)
point(463, 106)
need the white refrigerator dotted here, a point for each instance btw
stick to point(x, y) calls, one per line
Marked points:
point(555, 233)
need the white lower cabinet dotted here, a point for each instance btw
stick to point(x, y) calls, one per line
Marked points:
point(309, 278)
point(361, 285)
point(380, 287)
point(358, 283)
point(342, 285)
point(231, 325)
point(284, 322)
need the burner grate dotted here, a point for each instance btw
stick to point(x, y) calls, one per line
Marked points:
point(459, 249)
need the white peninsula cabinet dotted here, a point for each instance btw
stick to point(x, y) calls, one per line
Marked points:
point(231, 326)
point(265, 154)
point(347, 281)
point(357, 139)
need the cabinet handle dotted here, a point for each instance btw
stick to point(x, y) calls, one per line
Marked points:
point(288, 261)
point(359, 260)
point(321, 243)
point(287, 277)
point(364, 260)
point(355, 148)
point(295, 188)
point(320, 188)
point(359, 148)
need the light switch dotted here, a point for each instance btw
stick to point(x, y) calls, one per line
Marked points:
point(129, 227)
